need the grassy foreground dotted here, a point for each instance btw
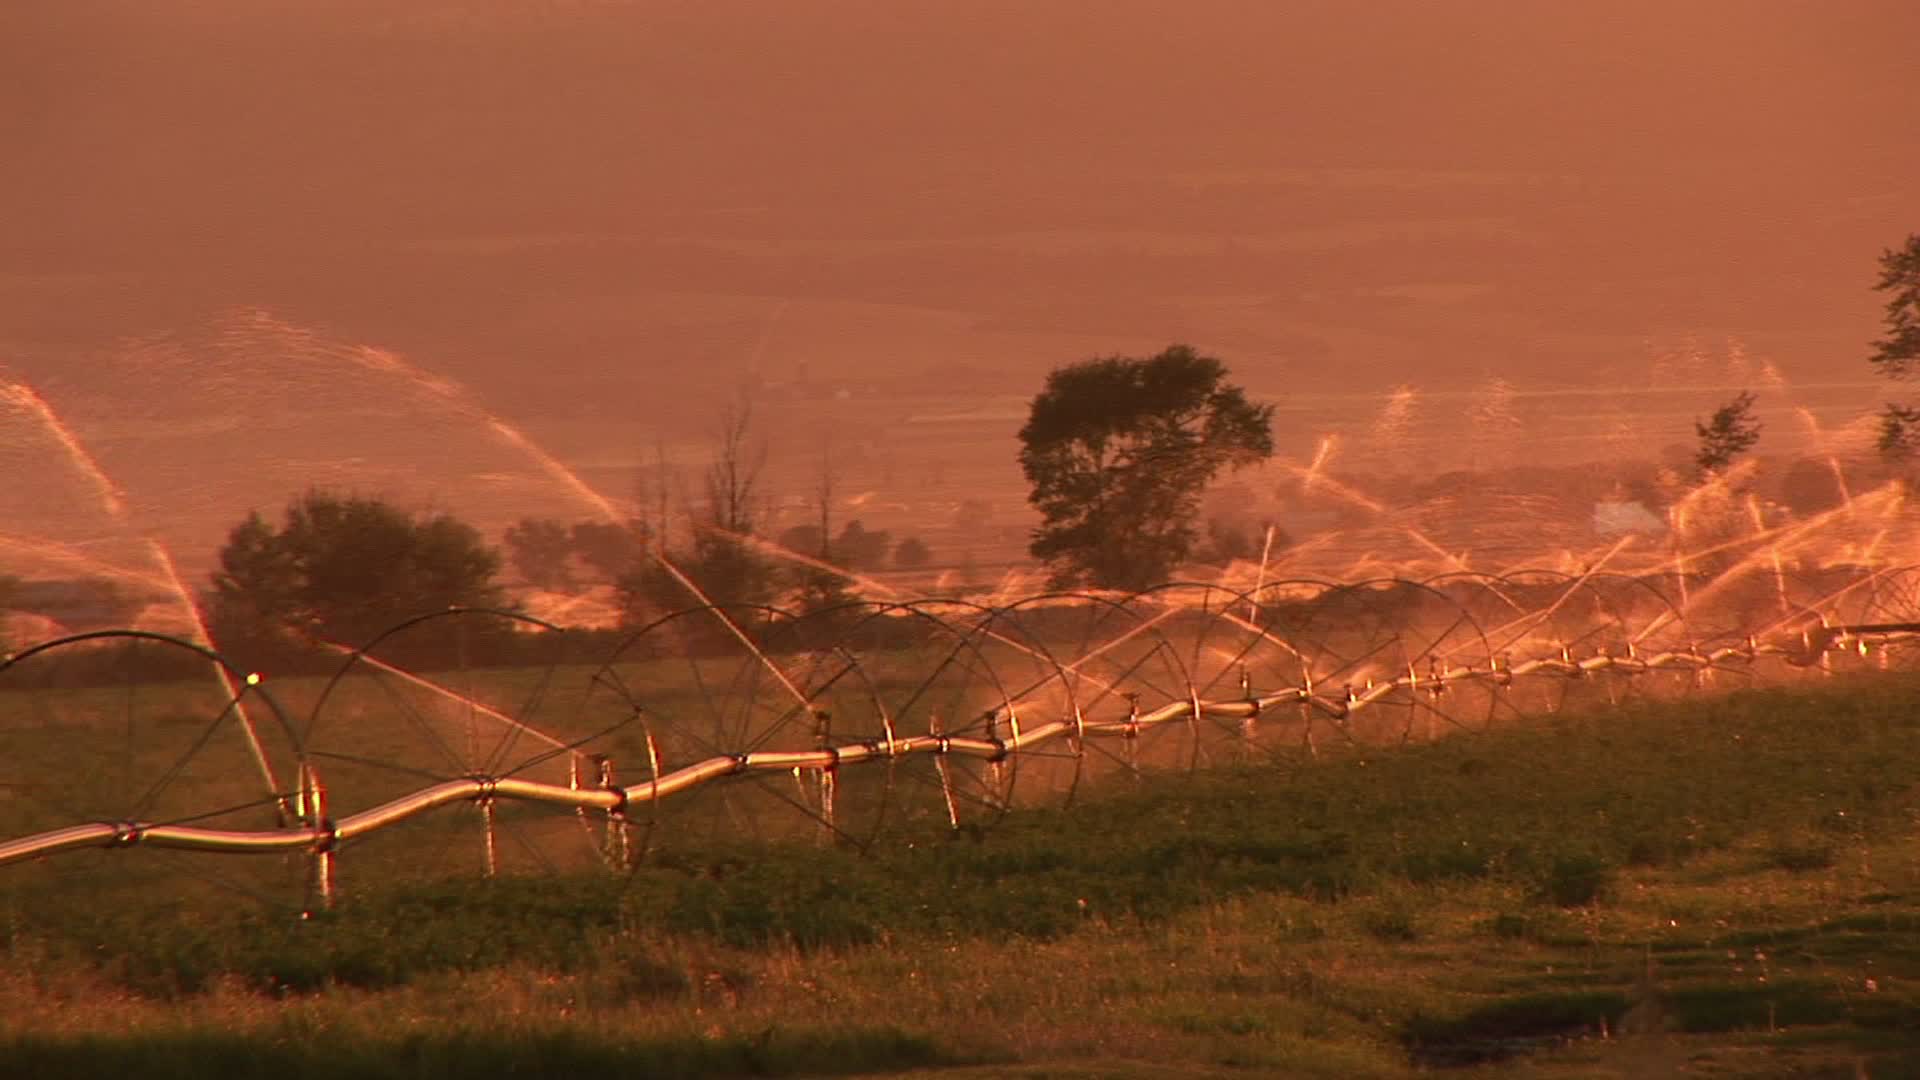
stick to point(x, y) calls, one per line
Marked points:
point(1726, 886)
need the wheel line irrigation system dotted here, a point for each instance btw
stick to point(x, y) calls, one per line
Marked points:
point(934, 706)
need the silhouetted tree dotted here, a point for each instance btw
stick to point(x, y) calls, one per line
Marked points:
point(653, 491)
point(256, 591)
point(344, 568)
point(722, 568)
point(856, 548)
point(1899, 430)
point(1730, 432)
point(1118, 452)
point(733, 476)
point(612, 550)
point(859, 548)
point(721, 560)
point(824, 485)
point(540, 549)
point(911, 553)
point(86, 603)
point(804, 539)
point(1811, 485)
point(821, 588)
point(818, 589)
point(1897, 354)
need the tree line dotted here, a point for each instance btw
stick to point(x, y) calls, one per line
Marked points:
point(1117, 452)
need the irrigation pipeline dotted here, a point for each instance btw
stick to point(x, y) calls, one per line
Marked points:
point(1291, 655)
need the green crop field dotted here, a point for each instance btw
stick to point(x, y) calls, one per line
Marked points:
point(1724, 886)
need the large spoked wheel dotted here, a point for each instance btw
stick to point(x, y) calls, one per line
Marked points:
point(724, 697)
point(1237, 652)
point(979, 712)
point(461, 697)
point(1377, 655)
point(122, 734)
point(1566, 619)
point(1887, 601)
point(1231, 663)
point(1641, 622)
point(1525, 615)
point(1129, 695)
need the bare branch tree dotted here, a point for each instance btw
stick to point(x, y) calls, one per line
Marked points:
point(733, 504)
point(653, 496)
point(823, 493)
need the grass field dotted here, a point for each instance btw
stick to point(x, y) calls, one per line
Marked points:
point(1723, 886)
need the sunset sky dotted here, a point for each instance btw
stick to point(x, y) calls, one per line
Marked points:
point(604, 217)
point(1517, 185)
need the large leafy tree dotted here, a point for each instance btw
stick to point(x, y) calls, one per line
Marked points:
point(345, 568)
point(545, 551)
point(1118, 451)
point(1897, 354)
point(541, 550)
point(610, 550)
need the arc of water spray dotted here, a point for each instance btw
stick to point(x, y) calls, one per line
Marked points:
point(311, 834)
point(1321, 455)
point(165, 559)
point(480, 707)
point(1533, 619)
point(1260, 577)
point(115, 504)
point(1427, 542)
point(456, 396)
point(67, 555)
point(1321, 480)
point(1817, 603)
point(1781, 534)
point(113, 500)
point(1779, 568)
point(732, 627)
point(1872, 550)
point(1141, 627)
point(1307, 546)
point(761, 543)
point(1820, 446)
point(1679, 561)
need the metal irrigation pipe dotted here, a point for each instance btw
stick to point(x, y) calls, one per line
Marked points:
point(320, 835)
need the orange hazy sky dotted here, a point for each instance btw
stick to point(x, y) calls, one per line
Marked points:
point(1390, 191)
